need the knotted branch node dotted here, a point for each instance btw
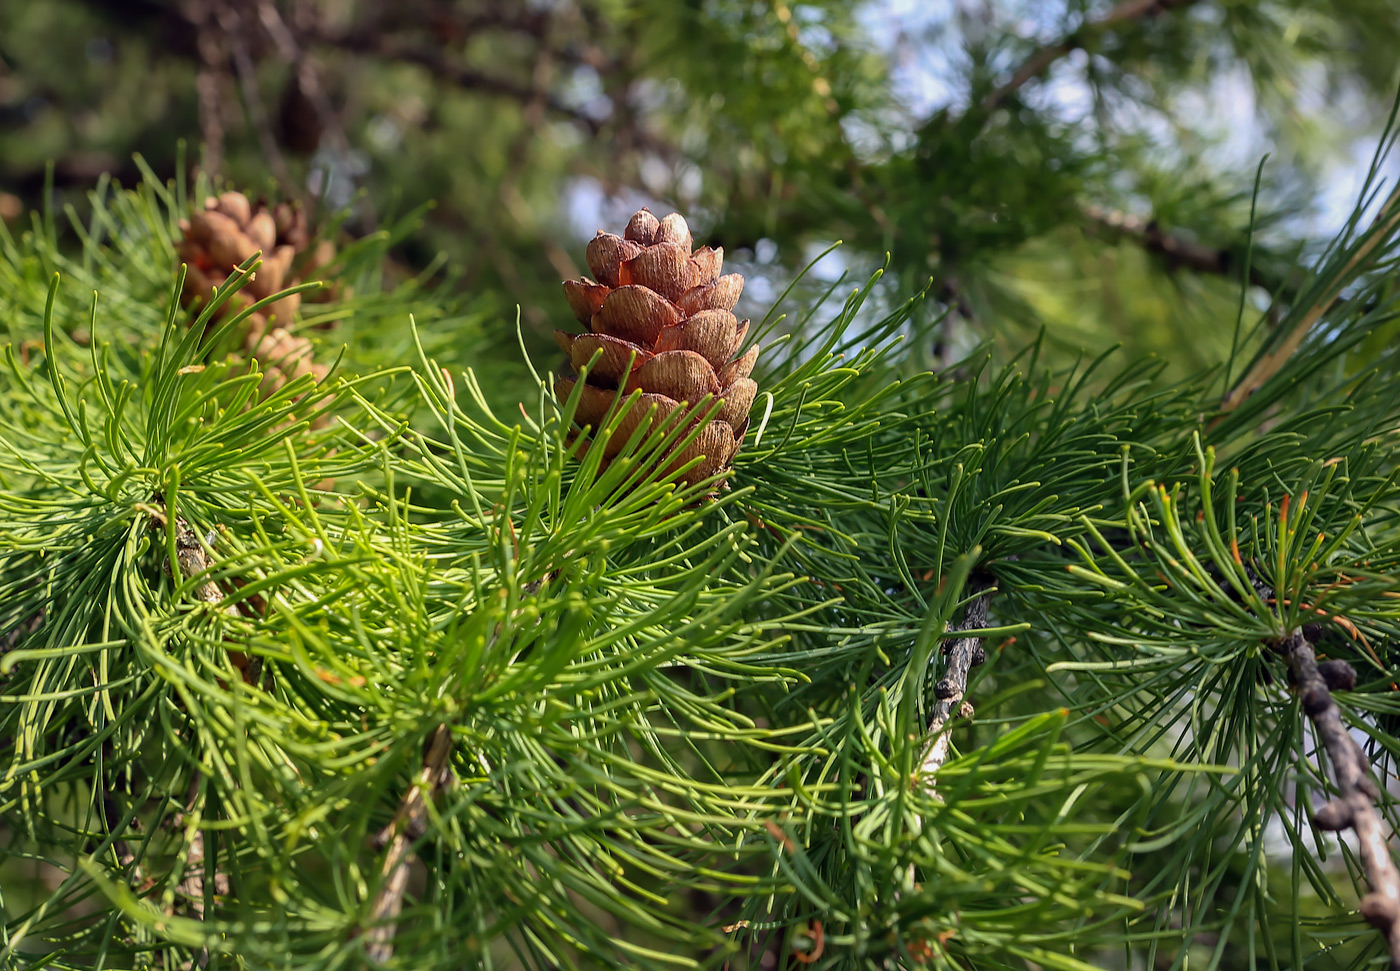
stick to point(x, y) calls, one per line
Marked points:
point(961, 656)
point(1354, 807)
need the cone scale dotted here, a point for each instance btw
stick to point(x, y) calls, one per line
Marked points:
point(660, 312)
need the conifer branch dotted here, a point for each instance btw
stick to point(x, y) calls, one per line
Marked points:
point(1041, 61)
point(307, 81)
point(1355, 807)
point(962, 655)
point(192, 560)
point(408, 825)
point(306, 74)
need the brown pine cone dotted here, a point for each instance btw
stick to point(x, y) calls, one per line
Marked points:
point(229, 230)
point(225, 233)
point(667, 311)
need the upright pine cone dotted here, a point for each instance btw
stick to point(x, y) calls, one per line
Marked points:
point(667, 311)
point(225, 233)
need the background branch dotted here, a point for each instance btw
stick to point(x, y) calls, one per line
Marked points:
point(1041, 60)
point(1177, 249)
point(443, 68)
point(233, 26)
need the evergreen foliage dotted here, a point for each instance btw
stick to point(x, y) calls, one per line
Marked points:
point(579, 699)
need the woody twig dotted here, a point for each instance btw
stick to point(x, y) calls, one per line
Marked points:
point(1354, 807)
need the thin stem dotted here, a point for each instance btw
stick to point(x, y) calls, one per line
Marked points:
point(309, 79)
point(443, 68)
point(209, 85)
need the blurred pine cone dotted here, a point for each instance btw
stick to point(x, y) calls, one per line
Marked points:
point(666, 311)
point(225, 233)
point(283, 357)
point(229, 230)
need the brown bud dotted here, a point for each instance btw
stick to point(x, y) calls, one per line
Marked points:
point(1316, 700)
point(585, 298)
point(234, 205)
point(205, 226)
point(262, 231)
point(674, 229)
point(299, 124)
point(229, 249)
point(739, 368)
point(292, 227)
point(285, 308)
point(679, 375)
point(651, 411)
point(284, 358)
point(708, 262)
point(1332, 817)
point(276, 266)
point(321, 256)
point(1338, 675)
point(664, 337)
point(196, 229)
point(738, 399)
point(593, 404)
point(715, 442)
point(618, 355)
